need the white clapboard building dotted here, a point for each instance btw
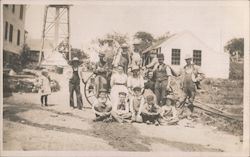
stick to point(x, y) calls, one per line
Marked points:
point(175, 48)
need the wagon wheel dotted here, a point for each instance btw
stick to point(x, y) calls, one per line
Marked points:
point(90, 89)
point(90, 92)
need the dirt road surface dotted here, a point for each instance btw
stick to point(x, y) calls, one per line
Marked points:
point(28, 126)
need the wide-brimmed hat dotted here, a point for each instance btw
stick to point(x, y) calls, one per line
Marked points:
point(188, 56)
point(153, 51)
point(122, 93)
point(134, 68)
point(103, 90)
point(124, 45)
point(160, 56)
point(75, 59)
point(109, 39)
point(137, 89)
point(101, 54)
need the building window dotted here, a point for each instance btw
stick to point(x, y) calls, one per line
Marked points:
point(176, 56)
point(197, 57)
point(6, 30)
point(11, 33)
point(21, 12)
point(159, 50)
point(13, 8)
point(6, 5)
point(18, 37)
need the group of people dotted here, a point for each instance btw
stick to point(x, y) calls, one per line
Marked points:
point(134, 98)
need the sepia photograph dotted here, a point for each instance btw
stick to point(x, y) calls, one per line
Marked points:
point(127, 78)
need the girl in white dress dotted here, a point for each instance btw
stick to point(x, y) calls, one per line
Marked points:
point(45, 90)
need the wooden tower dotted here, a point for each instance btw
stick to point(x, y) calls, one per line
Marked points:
point(56, 28)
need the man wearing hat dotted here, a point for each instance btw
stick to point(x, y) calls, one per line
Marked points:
point(162, 77)
point(120, 111)
point(102, 106)
point(191, 74)
point(74, 83)
point(111, 49)
point(101, 70)
point(123, 58)
point(136, 80)
point(154, 60)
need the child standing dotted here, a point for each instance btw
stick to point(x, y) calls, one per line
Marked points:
point(45, 90)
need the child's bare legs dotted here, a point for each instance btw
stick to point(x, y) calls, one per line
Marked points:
point(44, 100)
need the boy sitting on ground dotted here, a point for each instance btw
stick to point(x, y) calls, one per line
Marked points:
point(120, 110)
point(136, 104)
point(102, 107)
point(151, 111)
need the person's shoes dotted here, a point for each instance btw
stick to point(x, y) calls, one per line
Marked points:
point(46, 104)
point(148, 122)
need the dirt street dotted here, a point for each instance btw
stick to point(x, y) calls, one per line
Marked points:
point(27, 126)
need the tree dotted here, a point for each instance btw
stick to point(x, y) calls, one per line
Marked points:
point(234, 46)
point(79, 54)
point(163, 37)
point(25, 55)
point(145, 38)
point(120, 38)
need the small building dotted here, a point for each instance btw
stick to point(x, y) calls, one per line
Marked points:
point(13, 32)
point(35, 47)
point(213, 64)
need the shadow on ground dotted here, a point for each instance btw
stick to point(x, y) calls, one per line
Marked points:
point(124, 137)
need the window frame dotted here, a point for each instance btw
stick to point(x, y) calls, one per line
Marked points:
point(176, 58)
point(13, 9)
point(18, 37)
point(21, 12)
point(6, 30)
point(197, 58)
point(11, 33)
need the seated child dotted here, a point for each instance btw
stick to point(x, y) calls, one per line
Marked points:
point(151, 111)
point(136, 104)
point(120, 111)
point(102, 107)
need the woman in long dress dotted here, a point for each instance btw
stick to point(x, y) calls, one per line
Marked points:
point(118, 84)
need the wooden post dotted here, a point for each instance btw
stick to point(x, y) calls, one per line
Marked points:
point(69, 47)
point(43, 35)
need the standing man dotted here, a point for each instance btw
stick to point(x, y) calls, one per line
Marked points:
point(154, 61)
point(101, 71)
point(162, 76)
point(191, 76)
point(74, 83)
point(123, 58)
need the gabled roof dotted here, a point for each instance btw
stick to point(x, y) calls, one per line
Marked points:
point(174, 37)
point(35, 44)
point(155, 45)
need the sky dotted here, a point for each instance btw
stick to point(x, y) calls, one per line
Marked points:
point(214, 22)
